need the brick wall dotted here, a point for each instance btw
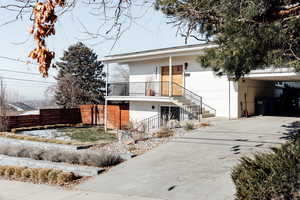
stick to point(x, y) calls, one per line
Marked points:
point(46, 117)
point(117, 115)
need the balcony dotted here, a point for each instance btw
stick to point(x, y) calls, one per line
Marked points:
point(140, 89)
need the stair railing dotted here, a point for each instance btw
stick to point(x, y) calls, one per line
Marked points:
point(154, 122)
point(195, 99)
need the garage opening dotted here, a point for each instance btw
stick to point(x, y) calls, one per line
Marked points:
point(277, 97)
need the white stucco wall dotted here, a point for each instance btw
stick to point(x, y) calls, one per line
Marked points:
point(214, 90)
point(140, 110)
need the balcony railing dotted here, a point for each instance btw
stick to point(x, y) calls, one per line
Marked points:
point(157, 88)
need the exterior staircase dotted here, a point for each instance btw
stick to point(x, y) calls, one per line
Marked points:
point(192, 104)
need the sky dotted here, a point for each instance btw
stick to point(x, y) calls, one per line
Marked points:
point(149, 31)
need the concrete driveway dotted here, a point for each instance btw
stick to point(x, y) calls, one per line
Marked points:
point(196, 166)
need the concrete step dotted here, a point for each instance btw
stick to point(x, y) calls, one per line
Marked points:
point(208, 115)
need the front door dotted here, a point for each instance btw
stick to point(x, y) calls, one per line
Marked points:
point(177, 80)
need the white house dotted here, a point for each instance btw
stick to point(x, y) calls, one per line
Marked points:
point(170, 83)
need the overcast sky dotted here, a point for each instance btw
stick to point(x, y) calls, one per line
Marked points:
point(148, 32)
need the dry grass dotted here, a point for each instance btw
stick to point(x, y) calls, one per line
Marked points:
point(78, 158)
point(32, 128)
point(38, 175)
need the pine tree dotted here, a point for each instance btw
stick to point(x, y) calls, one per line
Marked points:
point(80, 77)
point(252, 34)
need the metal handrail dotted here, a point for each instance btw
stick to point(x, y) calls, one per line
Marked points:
point(154, 88)
point(150, 121)
point(211, 108)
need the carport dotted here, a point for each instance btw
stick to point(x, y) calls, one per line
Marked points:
point(275, 93)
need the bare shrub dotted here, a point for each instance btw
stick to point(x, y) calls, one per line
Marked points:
point(188, 125)
point(164, 132)
point(80, 158)
point(108, 160)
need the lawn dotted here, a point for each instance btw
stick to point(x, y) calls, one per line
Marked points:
point(88, 134)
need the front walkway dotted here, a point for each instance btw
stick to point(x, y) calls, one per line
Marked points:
point(194, 167)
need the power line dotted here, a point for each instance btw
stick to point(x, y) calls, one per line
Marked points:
point(28, 80)
point(19, 72)
point(18, 60)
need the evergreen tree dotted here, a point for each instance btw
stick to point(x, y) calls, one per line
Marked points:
point(249, 34)
point(80, 77)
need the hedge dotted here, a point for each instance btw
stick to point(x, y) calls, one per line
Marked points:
point(37, 175)
point(269, 176)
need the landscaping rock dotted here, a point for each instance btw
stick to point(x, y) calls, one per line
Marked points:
point(127, 156)
point(26, 162)
point(125, 137)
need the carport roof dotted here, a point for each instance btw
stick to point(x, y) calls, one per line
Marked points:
point(274, 74)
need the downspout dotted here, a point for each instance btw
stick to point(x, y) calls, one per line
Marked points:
point(106, 95)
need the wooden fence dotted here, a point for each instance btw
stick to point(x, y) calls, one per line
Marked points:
point(117, 115)
point(46, 117)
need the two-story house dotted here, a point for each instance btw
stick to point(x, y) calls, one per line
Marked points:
point(170, 83)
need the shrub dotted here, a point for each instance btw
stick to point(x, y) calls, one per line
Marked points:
point(9, 172)
point(52, 176)
point(2, 170)
point(26, 174)
point(80, 158)
point(188, 125)
point(107, 160)
point(37, 175)
point(18, 172)
point(173, 124)
point(43, 175)
point(274, 175)
point(65, 177)
point(164, 132)
point(34, 174)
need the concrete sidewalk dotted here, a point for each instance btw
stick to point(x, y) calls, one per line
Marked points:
point(14, 190)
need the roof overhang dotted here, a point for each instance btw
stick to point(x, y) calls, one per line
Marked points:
point(190, 50)
point(274, 74)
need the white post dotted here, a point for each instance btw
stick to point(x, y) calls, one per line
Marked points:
point(170, 76)
point(106, 95)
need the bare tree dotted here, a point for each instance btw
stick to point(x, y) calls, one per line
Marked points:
point(3, 107)
point(70, 90)
point(120, 73)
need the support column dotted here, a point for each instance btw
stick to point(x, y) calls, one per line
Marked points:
point(106, 95)
point(170, 77)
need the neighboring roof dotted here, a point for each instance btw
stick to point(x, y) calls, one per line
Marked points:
point(20, 106)
point(157, 53)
